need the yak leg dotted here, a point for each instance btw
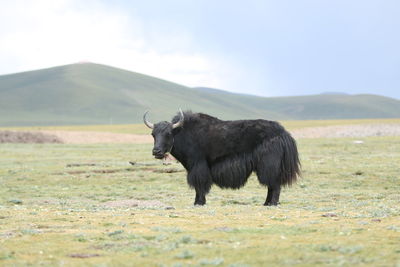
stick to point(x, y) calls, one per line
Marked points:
point(199, 177)
point(268, 171)
point(200, 197)
point(273, 196)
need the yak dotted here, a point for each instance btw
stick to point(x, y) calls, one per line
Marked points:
point(225, 153)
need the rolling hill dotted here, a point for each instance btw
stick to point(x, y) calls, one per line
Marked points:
point(98, 94)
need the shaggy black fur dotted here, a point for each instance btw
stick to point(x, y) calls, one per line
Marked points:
point(225, 153)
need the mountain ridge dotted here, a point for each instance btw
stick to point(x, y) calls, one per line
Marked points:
point(89, 93)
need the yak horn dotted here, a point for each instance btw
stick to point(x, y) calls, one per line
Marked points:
point(148, 124)
point(180, 122)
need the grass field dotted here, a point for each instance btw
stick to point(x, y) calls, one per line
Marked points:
point(80, 205)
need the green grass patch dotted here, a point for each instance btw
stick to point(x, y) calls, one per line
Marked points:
point(343, 211)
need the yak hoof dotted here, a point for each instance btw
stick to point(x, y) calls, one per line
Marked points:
point(271, 204)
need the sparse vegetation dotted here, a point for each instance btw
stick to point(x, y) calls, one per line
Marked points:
point(67, 204)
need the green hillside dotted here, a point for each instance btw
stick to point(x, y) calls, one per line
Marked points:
point(97, 94)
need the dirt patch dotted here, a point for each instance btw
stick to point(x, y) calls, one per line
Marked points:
point(82, 137)
point(75, 172)
point(81, 164)
point(134, 203)
point(83, 255)
point(72, 137)
point(28, 137)
point(362, 130)
point(134, 163)
point(170, 170)
point(95, 171)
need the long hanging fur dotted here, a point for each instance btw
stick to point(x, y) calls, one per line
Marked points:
point(290, 164)
point(232, 172)
point(278, 158)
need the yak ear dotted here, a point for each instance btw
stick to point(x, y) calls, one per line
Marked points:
point(180, 122)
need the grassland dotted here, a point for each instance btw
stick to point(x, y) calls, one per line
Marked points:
point(79, 205)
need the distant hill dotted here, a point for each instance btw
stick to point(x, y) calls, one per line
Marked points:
point(334, 93)
point(97, 94)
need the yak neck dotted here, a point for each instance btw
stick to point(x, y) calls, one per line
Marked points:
point(186, 148)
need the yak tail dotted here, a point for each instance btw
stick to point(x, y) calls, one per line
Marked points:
point(290, 164)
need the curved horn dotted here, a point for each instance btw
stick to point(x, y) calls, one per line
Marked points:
point(180, 122)
point(148, 124)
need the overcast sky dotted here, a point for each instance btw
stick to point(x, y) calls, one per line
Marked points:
point(269, 48)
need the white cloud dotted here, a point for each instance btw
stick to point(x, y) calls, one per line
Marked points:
point(45, 33)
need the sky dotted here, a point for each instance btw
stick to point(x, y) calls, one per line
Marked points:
point(266, 48)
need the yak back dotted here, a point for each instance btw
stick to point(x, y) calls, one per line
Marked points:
point(216, 139)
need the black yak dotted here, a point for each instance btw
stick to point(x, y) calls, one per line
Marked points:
point(225, 153)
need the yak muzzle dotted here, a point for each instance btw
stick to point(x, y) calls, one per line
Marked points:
point(158, 154)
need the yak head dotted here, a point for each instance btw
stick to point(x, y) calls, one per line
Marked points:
point(163, 136)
